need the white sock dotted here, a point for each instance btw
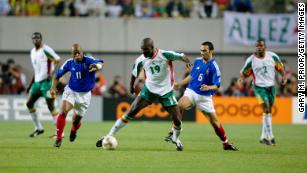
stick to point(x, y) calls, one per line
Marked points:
point(263, 132)
point(271, 136)
point(176, 133)
point(54, 119)
point(117, 125)
point(36, 121)
point(268, 126)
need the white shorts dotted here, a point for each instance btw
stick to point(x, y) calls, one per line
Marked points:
point(204, 103)
point(79, 100)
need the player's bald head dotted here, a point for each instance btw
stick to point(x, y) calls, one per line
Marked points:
point(147, 47)
point(77, 52)
point(147, 42)
point(76, 46)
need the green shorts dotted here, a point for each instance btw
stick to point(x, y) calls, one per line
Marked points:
point(265, 94)
point(41, 88)
point(166, 100)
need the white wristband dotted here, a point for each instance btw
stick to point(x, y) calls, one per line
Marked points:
point(99, 66)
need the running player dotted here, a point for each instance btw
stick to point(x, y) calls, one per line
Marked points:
point(45, 63)
point(262, 66)
point(159, 81)
point(203, 81)
point(77, 93)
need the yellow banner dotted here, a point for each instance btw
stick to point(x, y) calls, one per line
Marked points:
point(246, 110)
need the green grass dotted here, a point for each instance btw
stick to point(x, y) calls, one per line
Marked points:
point(142, 149)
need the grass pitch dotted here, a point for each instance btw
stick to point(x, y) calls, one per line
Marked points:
point(142, 149)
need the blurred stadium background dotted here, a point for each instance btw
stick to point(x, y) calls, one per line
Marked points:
point(113, 30)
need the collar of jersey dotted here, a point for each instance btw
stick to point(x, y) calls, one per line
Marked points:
point(206, 62)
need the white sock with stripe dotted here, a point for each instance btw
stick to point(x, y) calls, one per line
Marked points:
point(176, 133)
point(116, 127)
point(263, 132)
point(36, 121)
point(270, 131)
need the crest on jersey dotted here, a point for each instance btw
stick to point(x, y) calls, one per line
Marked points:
point(207, 71)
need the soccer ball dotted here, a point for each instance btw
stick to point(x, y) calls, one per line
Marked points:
point(109, 143)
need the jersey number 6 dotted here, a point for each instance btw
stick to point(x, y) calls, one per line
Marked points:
point(200, 77)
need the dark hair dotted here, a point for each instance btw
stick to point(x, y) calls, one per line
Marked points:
point(209, 44)
point(37, 33)
point(10, 61)
point(261, 39)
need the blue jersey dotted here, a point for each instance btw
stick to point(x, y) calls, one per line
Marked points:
point(204, 73)
point(81, 79)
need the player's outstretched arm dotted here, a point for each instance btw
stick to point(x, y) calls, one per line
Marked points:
point(187, 61)
point(184, 82)
point(241, 79)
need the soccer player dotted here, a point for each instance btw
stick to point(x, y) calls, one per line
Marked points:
point(203, 81)
point(77, 93)
point(262, 65)
point(159, 73)
point(45, 63)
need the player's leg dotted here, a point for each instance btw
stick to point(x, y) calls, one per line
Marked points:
point(30, 105)
point(76, 124)
point(271, 96)
point(205, 104)
point(176, 130)
point(144, 99)
point(68, 101)
point(219, 130)
point(184, 103)
point(61, 121)
point(45, 89)
point(263, 99)
point(52, 110)
point(169, 103)
point(138, 104)
point(80, 107)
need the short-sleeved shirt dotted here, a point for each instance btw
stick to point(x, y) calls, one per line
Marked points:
point(81, 79)
point(42, 62)
point(207, 73)
point(262, 69)
point(159, 70)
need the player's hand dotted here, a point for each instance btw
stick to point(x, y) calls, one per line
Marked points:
point(205, 87)
point(189, 66)
point(240, 81)
point(177, 86)
point(93, 67)
point(284, 80)
point(53, 92)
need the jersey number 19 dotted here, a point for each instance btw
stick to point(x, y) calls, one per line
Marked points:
point(155, 69)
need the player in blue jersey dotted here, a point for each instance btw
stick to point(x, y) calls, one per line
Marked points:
point(203, 81)
point(77, 93)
